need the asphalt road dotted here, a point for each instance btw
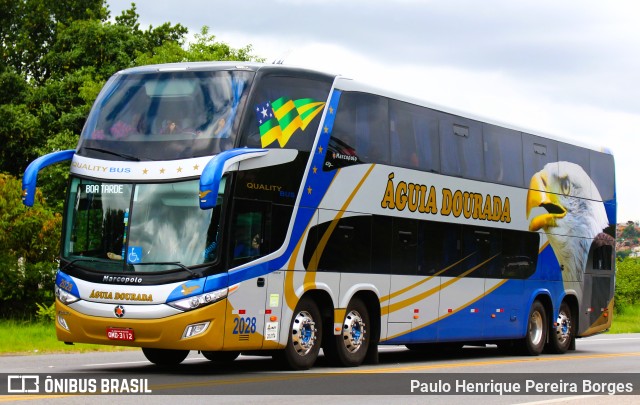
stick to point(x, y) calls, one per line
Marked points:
point(252, 379)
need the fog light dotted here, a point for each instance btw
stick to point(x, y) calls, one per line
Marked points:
point(195, 329)
point(63, 323)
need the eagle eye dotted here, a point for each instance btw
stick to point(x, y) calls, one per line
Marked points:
point(565, 185)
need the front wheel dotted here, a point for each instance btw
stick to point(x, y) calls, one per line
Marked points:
point(305, 337)
point(534, 340)
point(221, 357)
point(165, 357)
point(563, 331)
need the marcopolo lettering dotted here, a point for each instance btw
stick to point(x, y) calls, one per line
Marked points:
point(122, 280)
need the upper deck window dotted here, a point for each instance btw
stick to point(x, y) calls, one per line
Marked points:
point(165, 115)
point(285, 112)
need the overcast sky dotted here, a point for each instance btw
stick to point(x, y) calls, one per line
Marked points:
point(568, 68)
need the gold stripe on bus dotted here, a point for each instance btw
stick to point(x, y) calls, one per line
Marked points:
point(543, 247)
point(410, 301)
point(310, 276)
point(412, 286)
point(289, 292)
point(448, 314)
point(322, 244)
point(602, 323)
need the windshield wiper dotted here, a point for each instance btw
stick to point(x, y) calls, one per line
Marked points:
point(178, 264)
point(110, 152)
point(82, 259)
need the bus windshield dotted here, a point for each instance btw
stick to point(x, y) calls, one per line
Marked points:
point(119, 227)
point(165, 115)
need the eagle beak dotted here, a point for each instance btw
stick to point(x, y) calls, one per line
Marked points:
point(539, 196)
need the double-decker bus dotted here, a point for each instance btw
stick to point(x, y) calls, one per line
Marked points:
point(245, 208)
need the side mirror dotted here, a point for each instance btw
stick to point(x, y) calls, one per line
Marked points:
point(30, 177)
point(218, 165)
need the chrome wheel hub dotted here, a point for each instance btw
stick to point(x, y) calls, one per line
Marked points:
point(563, 327)
point(353, 331)
point(535, 328)
point(303, 333)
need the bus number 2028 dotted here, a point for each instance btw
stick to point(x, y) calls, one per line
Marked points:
point(244, 325)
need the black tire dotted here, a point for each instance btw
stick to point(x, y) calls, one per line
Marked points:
point(562, 332)
point(165, 357)
point(352, 343)
point(305, 337)
point(221, 357)
point(537, 326)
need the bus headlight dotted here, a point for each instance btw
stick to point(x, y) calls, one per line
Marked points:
point(65, 297)
point(199, 301)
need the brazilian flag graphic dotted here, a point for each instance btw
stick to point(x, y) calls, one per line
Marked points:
point(280, 119)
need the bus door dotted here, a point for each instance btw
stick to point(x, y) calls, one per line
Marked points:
point(597, 302)
point(247, 304)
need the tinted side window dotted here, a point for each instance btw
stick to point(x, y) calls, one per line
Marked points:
point(461, 147)
point(579, 156)
point(360, 131)
point(603, 257)
point(415, 142)
point(381, 245)
point(280, 218)
point(519, 254)
point(438, 246)
point(537, 152)
point(603, 174)
point(292, 106)
point(251, 222)
point(405, 239)
point(348, 248)
point(503, 155)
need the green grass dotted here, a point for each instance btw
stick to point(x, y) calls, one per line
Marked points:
point(626, 320)
point(24, 337)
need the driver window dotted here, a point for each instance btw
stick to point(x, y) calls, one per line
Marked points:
point(248, 231)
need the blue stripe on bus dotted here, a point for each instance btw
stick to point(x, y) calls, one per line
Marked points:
point(316, 186)
point(464, 325)
point(66, 283)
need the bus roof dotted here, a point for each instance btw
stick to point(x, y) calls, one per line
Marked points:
point(214, 66)
point(348, 84)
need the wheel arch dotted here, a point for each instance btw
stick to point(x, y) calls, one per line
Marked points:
point(323, 300)
point(545, 299)
point(371, 300)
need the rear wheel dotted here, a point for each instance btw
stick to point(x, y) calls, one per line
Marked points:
point(534, 340)
point(165, 357)
point(352, 343)
point(562, 332)
point(305, 337)
point(221, 357)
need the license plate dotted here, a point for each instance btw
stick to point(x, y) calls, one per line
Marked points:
point(120, 334)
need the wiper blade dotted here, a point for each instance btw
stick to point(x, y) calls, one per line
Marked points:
point(178, 264)
point(82, 259)
point(110, 152)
